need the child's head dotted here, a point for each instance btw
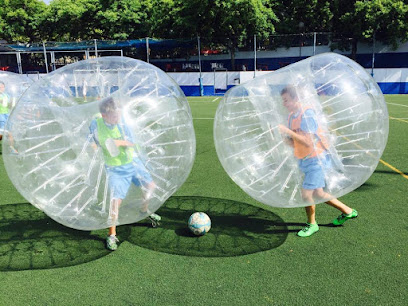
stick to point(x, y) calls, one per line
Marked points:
point(110, 111)
point(290, 98)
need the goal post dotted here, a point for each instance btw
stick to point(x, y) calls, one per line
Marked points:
point(220, 80)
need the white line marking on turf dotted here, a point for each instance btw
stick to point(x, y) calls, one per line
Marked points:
point(397, 104)
point(215, 99)
point(402, 120)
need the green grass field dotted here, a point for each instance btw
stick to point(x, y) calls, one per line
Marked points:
point(251, 256)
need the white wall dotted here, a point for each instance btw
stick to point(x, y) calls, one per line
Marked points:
point(381, 75)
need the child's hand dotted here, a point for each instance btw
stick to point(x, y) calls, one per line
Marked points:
point(123, 143)
point(283, 129)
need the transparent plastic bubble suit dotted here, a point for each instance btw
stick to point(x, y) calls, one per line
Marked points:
point(347, 105)
point(61, 170)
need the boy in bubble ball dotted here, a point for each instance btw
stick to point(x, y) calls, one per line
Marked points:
point(122, 165)
point(4, 108)
point(304, 135)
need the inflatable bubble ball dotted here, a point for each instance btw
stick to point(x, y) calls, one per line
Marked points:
point(100, 142)
point(318, 127)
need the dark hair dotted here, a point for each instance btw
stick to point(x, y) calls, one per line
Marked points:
point(107, 106)
point(291, 91)
point(1, 82)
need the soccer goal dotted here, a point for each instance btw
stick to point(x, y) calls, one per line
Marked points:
point(33, 75)
point(220, 81)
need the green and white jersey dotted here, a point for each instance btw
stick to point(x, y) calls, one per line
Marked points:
point(4, 103)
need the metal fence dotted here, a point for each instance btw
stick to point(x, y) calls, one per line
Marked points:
point(176, 55)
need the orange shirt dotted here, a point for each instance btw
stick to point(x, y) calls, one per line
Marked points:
point(318, 143)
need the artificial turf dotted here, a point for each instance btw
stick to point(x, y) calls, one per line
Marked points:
point(251, 257)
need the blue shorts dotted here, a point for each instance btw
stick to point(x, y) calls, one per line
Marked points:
point(120, 178)
point(314, 169)
point(3, 121)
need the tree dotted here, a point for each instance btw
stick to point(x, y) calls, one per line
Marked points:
point(316, 16)
point(362, 20)
point(164, 21)
point(69, 20)
point(298, 17)
point(231, 22)
point(19, 20)
point(125, 19)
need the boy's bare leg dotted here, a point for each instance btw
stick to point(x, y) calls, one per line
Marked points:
point(311, 214)
point(112, 231)
point(310, 210)
point(154, 218)
point(147, 196)
point(347, 212)
point(333, 202)
point(311, 226)
point(113, 215)
point(11, 138)
point(114, 211)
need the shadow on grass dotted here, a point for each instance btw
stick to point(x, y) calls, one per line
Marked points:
point(236, 229)
point(31, 240)
point(301, 225)
point(366, 186)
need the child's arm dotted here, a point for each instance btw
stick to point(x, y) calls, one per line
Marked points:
point(127, 137)
point(303, 138)
point(93, 132)
point(123, 143)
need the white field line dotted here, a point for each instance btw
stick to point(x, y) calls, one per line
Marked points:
point(403, 105)
point(397, 118)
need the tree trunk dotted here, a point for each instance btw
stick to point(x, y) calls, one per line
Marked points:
point(354, 49)
point(233, 59)
point(232, 52)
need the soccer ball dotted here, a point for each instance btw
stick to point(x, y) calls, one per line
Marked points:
point(199, 223)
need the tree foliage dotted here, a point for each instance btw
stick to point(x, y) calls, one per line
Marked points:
point(69, 20)
point(96, 19)
point(232, 23)
point(211, 18)
point(20, 20)
point(125, 19)
point(296, 16)
point(360, 20)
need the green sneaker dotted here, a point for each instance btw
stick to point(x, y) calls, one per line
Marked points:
point(112, 242)
point(344, 217)
point(308, 230)
point(154, 218)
